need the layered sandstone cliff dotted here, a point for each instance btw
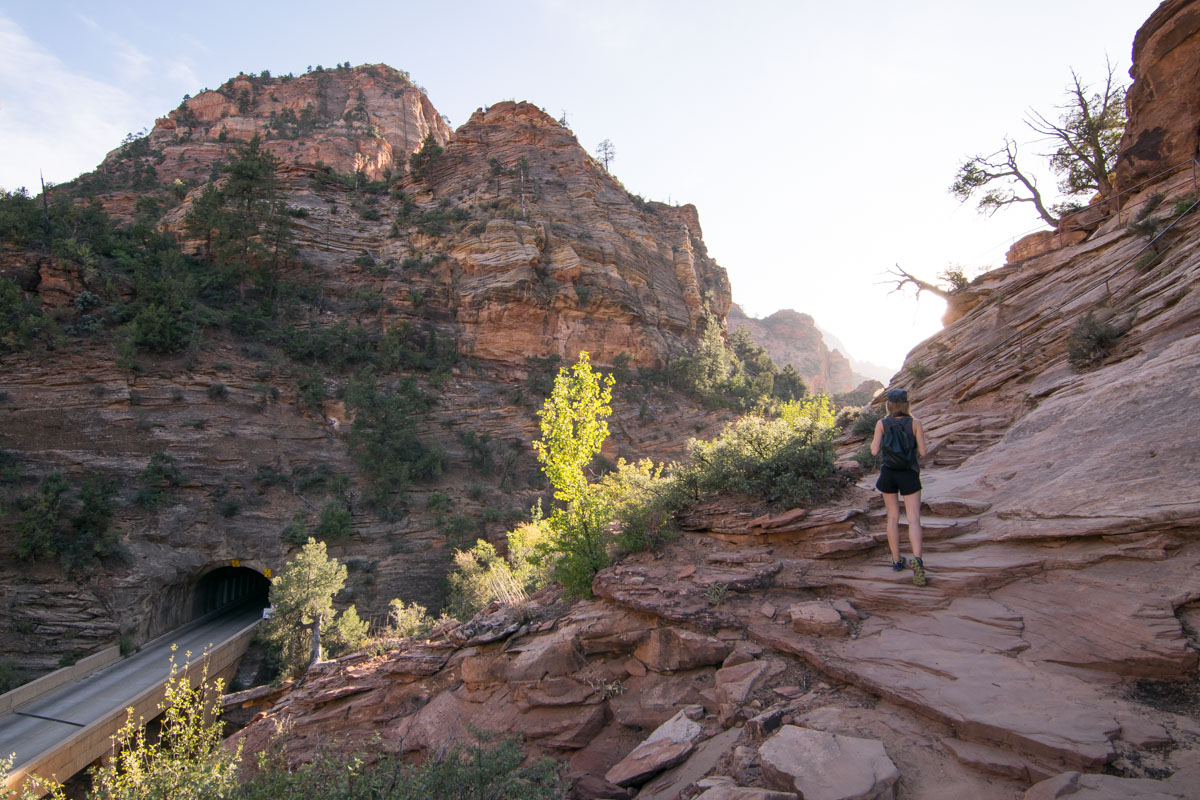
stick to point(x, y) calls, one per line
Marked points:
point(515, 245)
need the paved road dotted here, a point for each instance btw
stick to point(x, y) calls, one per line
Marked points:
point(40, 725)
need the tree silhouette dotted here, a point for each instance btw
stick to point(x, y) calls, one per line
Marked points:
point(606, 152)
point(1085, 139)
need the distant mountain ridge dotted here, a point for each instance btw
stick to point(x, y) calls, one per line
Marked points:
point(868, 368)
point(791, 337)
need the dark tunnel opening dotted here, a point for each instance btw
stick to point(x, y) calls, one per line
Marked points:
point(230, 587)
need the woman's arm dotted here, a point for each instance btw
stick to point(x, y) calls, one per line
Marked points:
point(878, 440)
point(919, 432)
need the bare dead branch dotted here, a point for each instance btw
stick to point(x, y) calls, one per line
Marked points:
point(904, 278)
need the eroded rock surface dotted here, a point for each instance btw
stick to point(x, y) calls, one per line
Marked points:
point(825, 766)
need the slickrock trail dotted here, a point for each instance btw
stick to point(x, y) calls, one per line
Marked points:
point(776, 654)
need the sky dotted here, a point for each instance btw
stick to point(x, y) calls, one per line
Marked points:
point(817, 139)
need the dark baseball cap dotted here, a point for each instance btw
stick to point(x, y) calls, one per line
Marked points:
point(897, 396)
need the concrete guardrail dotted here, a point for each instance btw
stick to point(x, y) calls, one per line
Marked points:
point(34, 690)
point(92, 742)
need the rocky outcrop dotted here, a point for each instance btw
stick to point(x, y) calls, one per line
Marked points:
point(569, 260)
point(790, 337)
point(370, 119)
point(1164, 99)
point(1053, 651)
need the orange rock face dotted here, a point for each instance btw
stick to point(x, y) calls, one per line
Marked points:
point(1164, 99)
point(370, 117)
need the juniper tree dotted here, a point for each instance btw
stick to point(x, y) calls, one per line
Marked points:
point(1085, 140)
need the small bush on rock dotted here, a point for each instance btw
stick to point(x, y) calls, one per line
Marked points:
point(1092, 338)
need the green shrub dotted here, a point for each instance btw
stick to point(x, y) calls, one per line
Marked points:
point(296, 531)
point(1092, 338)
point(339, 345)
point(422, 162)
point(21, 319)
point(481, 576)
point(864, 424)
point(865, 460)
point(161, 472)
point(383, 441)
point(642, 502)
point(406, 346)
point(438, 503)
point(785, 461)
point(335, 524)
point(10, 676)
point(44, 530)
point(310, 387)
point(459, 527)
point(409, 621)
point(1185, 204)
point(919, 371)
point(346, 634)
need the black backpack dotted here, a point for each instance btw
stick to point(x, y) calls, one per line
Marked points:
point(899, 446)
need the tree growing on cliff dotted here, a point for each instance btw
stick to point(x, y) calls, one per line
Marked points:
point(422, 162)
point(302, 597)
point(244, 222)
point(606, 152)
point(573, 427)
point(1085, 140)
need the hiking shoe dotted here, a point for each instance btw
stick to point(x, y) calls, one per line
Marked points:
point(899, 565)
point(918, 572)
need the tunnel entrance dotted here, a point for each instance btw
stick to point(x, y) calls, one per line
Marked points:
point(227, 587)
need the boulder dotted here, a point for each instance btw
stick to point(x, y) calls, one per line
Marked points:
point(817, 618)
point(670, 744)
point(735, 685)
point(669, 649)
point(826, 766)
point(732, 791)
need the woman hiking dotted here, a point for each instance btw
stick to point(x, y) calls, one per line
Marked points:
point(901, 439)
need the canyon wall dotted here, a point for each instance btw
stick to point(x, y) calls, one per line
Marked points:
point(515, 250)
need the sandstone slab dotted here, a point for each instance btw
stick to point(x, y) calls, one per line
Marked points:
point(669, 649)
point(735, 684)
point(817, 618)
point(670, 744)
point(1077, 786)
point(732, 791)
point(826, 766)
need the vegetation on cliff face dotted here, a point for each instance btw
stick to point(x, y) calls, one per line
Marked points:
point(304, 620)
point(785, 459)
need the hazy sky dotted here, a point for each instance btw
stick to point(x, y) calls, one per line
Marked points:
point(817, 139)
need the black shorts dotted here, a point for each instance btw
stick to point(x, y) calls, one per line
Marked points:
point(904, 481)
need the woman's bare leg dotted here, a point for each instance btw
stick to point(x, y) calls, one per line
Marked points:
point(912, 510)
point(892, 503)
